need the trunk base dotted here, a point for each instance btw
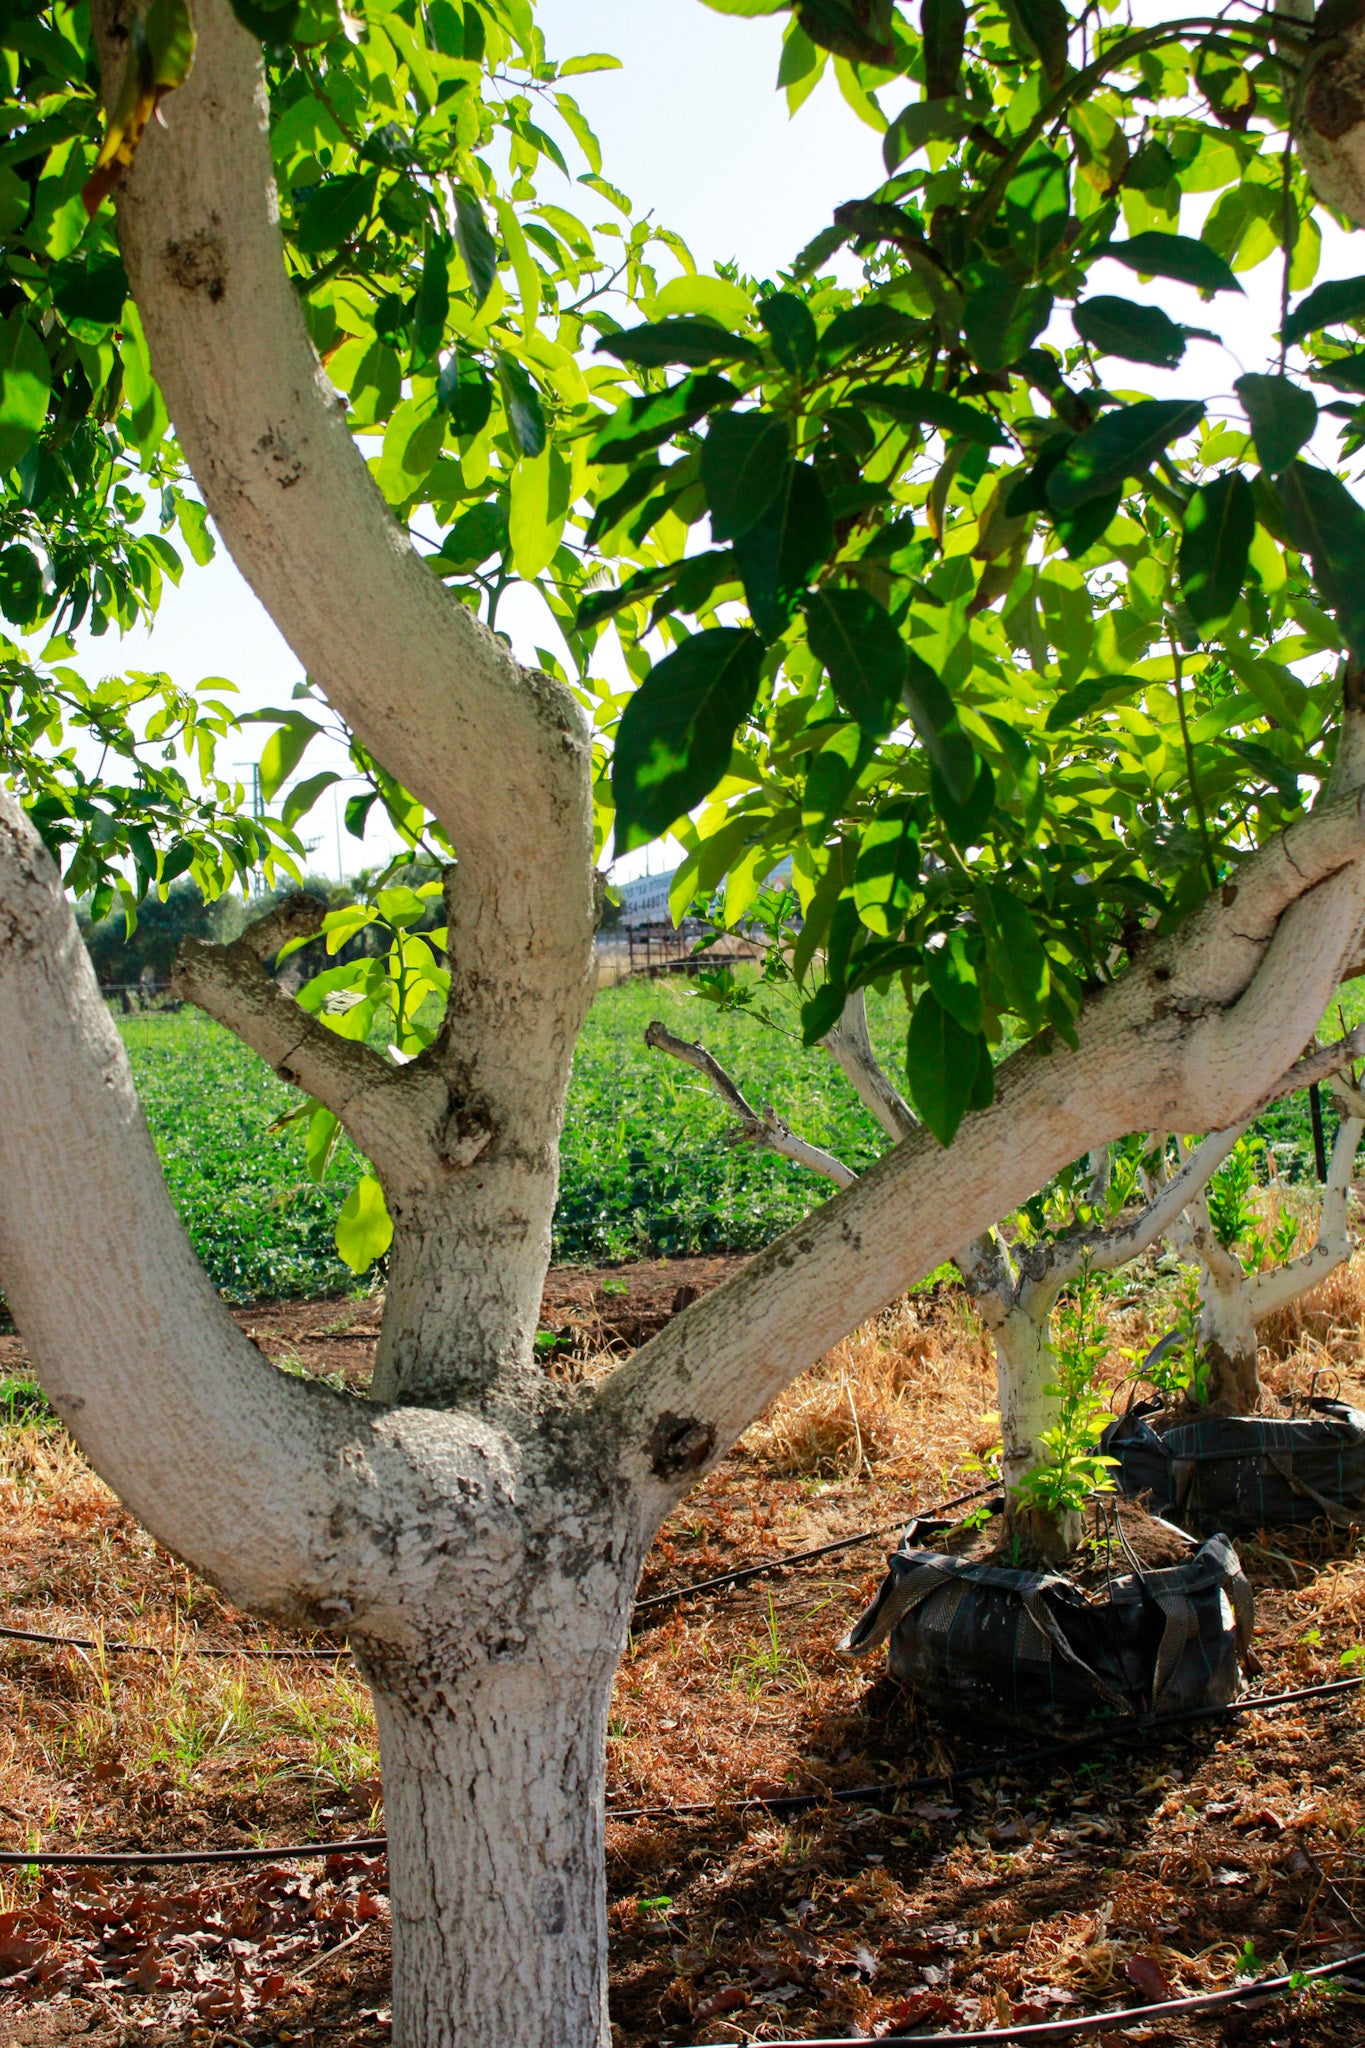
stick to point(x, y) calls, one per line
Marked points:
point(494, 1790)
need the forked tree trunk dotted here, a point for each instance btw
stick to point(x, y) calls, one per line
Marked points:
point(493, 1797)
point(1026, 1365)
point(1228, 1337)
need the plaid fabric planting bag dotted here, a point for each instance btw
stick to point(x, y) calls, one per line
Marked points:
point(1244, 1472)
point(994, 1640)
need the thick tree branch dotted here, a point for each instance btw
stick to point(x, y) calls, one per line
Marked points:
point(1201, 1027)
point(764, 1128)
point(399, 1117)
point(226, 1459)
point(500, 754)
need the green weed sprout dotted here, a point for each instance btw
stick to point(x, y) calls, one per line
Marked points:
point(1071, 1469)
point(1182, 1374)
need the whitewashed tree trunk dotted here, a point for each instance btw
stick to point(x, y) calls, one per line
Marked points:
point(481, 1547)
point(494, 1789)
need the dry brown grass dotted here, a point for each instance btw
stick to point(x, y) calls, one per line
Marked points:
point(906, 1397)
point(1043, 1890)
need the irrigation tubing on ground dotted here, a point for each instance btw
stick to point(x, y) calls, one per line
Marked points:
point(655, 1601)
point(1096, 2022)
point(29, 1635)
point(779, 1802)
point(124, 1859)
point(994, 1767)
point(777, 1564)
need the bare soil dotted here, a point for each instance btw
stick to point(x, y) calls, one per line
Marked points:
point(1155, 1868)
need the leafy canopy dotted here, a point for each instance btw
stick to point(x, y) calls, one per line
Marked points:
point(1041, 654)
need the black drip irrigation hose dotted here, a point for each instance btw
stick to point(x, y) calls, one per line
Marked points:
point(781, 1802)
point(29, 1635)
point(655, 1601)
point(1097, 2022)
point(794, 1557)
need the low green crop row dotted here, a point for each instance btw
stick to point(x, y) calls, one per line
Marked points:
point(646, 1173)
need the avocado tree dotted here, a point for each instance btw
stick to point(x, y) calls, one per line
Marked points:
point(316, 247)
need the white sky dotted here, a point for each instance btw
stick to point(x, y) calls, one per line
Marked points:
point(693, 129)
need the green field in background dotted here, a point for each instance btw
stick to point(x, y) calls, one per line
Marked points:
point(646, 1169)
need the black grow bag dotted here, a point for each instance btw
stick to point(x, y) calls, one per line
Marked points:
point(1244, 1472)
point(989, 1639)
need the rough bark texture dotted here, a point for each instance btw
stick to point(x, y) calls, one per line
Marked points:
point(493, 1806)
point(1331, 127)
point(482, 1548)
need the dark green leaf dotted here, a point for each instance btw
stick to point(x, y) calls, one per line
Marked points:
point(1330, 304)
point(1037, 201)
point(864, 655)
point(644, 423)
point(1030, 493)
point(857, 29)
point(1124, 443)
point(604, 604)
point(819, 250)
point(1079, 529)
point(1002, 317)
point(335, 211)
point(780, 552)
point(745, 461)
point(1017, 959)
point(1140, 334)
point(943, 25)
point(1346, 373)
point(1040, 29)
point(432, 304)
point(677, 732)
point(465, 390)
point(1096, 693)
point(274, 26)
point(89, 293)
point(1282, 779)
point(478, 250)
point(941, 1066)
point(1153, 254)
point(476, 534)
point(953, 979)
point(698, 577)
point(928, 120)
point(1220, 520)
point(791, 331)
point(521, 400)
point(938, 728)
point(965, 823)
point(831, 776)
point(888, 869)
point(915, 406)
point(636, 488)
point(1282, 416)
point(683, 340)
point(358, 810)
point(868, 329)
point(25, 386)
point(21, 585)
point(1328, 525)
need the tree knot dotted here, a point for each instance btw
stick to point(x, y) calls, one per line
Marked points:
point(679, 1444)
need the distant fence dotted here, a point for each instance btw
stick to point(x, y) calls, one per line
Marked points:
point(647, 952)
point(133, 997)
